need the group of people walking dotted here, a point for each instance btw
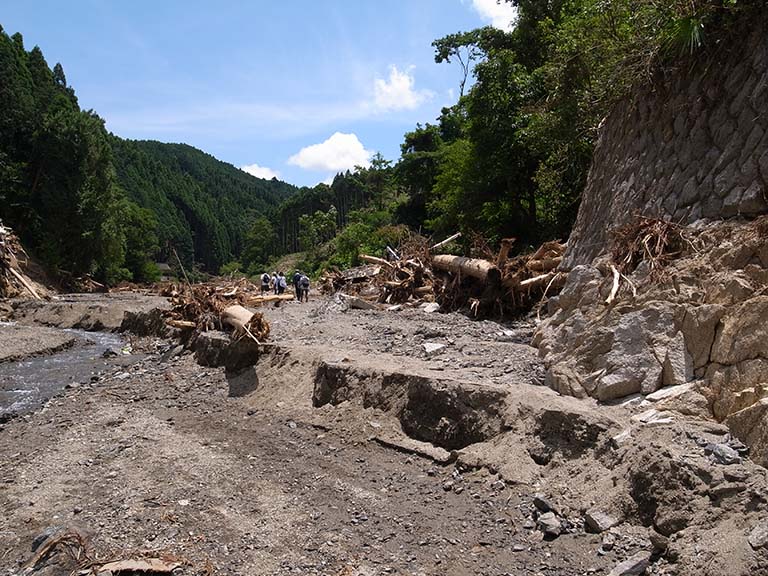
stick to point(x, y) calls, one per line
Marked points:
point(278, 284)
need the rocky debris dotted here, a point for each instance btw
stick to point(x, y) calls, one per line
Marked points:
point(722, 454)
point(653, 417)
point(672, 323)
point(145, 323)
point(549, 524)
point(634, 566)
point(432, 347)
point(598, 521)
point(758, 537)
point(543, 504)
point(355, 303)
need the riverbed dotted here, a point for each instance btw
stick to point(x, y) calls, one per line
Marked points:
point(27, 383)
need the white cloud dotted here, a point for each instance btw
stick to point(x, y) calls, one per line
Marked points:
point(501, 15)
point(397, 93)
point(337, 153)
point(260, 171)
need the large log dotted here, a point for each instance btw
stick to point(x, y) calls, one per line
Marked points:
point(236, 317)
point(545, 264)
point(474, 267)
point(259, 300)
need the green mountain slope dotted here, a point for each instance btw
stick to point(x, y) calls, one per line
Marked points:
point(204, 206)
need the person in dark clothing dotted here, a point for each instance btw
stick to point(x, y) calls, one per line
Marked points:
point(296, 278)
point(303, 288)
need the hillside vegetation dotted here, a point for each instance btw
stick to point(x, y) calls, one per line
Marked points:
point(87, 202)
point(508, 159)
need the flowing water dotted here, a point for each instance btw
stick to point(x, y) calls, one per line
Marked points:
point(26, 384)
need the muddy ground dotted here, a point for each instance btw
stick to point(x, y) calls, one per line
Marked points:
point(351, 449)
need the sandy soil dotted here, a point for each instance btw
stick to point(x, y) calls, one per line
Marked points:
point(18, 342)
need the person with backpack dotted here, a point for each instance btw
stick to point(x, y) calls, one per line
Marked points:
point(264, 283)
point(304, 288)
point(297, 289)
point(275, 282)
point(281, 283)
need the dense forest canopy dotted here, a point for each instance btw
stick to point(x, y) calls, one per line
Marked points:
point(508, 159)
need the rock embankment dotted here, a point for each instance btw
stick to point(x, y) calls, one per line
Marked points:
point(702, 327)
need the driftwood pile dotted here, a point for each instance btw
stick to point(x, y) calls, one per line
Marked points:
point(651, 240)
point(495, 285)
point(502, 286)
point(216, 304)
point(13, 281)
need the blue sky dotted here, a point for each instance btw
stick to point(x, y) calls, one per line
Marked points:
point(296, 88)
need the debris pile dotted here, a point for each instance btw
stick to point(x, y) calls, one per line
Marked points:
point(13, 281)
point(491, 286)
point(656, 242)
point(204, 307)
point(69, 550)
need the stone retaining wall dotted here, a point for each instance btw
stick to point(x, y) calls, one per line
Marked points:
point(693, 146)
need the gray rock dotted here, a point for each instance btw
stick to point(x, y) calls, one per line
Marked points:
point(549, 524)
point(608, 542)
point(172, 353)
point(723, 454)
point(634, 566)
point(758, 537)
point(432, 347)
point(242, 382)
point(598, 521)
point(543, 504)
point(211, 348)
point(432, 307)
point(658, 541)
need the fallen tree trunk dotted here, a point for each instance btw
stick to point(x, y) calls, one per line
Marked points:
point(545, 264)
point(476, 268)
point(237, 317)
point(259, 300)
point(24, 283)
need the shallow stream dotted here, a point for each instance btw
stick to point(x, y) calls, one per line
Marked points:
point(26, 384)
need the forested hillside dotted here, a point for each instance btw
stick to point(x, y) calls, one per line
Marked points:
point(87, 202)
point(204, 206)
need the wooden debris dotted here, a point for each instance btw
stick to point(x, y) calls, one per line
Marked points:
point(506, 245)
point(145, 565)
point(654, 241)
point(446, 241)
point(615, 287)
point(480, 269)
point(494, 284)
point(208, 306)
point(13, 281)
